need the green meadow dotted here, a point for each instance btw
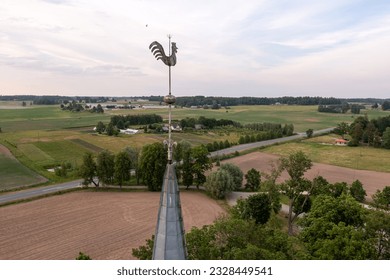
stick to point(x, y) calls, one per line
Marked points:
point(13, 174)
point(321, 150)
point(45, 136)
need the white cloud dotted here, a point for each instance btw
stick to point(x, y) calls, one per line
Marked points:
point(225, 47)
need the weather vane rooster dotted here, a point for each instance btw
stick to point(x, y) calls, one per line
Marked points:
point(158, 51)
point(170, 60)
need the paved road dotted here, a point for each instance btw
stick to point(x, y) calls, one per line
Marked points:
point(26, 194)
point(243, 147)
point(30, 193)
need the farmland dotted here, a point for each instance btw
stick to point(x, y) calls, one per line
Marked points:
point(103, 225)
point(42, 137)
point(13, 174)
point(322, 150)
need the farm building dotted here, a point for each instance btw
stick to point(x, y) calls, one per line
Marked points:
point(341, 142)
point(128, 131)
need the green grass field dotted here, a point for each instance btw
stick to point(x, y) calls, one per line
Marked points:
point(13, 174)
point(43, 136)
point(321, 150)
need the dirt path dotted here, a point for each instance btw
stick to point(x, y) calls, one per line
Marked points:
point(371, 180)
point(102, 225)
point(5, 151)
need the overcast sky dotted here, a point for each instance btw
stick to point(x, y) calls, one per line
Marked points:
point(337, 48)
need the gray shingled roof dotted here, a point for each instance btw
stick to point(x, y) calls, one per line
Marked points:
point(169, 242)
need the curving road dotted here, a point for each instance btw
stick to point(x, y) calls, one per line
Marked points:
point(36, 192)
point(243, 147)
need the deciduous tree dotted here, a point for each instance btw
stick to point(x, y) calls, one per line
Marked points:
point(357, 191)
point(88, 170)
point(253, 180)
point(256, 207)
point(105, 167)
point(236, 174)
point(122, 167)
point(219, 183)
point(201, 163)
point(152, 163)
point(296, 165)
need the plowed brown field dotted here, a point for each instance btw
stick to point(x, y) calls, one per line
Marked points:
point(371, 180)
point(102, 225)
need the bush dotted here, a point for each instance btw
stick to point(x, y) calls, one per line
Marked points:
point(219, 183)
point(253, 180)
point(236, 174)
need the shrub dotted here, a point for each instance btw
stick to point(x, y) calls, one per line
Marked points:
point(236, 174)
point(219, 183)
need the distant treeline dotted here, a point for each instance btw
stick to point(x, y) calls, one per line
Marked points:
point(188, 101)
point(341, 109)
point(54, 99)
point(124, 121)
point(199, 100)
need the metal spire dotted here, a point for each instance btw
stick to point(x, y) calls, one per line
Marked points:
point(169, 242)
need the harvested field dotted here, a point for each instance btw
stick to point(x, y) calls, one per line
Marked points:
point(371, 180)
point(104, 225)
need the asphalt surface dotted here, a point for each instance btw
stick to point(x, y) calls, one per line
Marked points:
point(36, 192)
point(243, 147)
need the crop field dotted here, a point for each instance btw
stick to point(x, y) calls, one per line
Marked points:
point(14, 174)
point(322, 151)
point(44, 136)
point(371, 180)
point(111, 224)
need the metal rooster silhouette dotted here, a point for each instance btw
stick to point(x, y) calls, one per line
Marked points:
point(158, 51)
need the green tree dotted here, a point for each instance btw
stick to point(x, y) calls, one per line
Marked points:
point(100, 127)
point(105, 167)
point(356, 134)
point(219, 183)
point(341, 129)
point(181, 151)
point(186, 163)
point(309, 133)
point(237, 239)
point(386, 105)
point(201, 163)
point(99, 109)
point(110, 129)
point(381, 199)
point(134, 158)
point(296, 165)
point(122, 166)
point(87, 170)
point(343, 243)
point(61, 170)
point(357, 191)
point(378, 233)
point(320, 186)
point(273, 189)
point(336, 223)
point(83, 256)
point(144, 252)
point(386, 138)
point(253, 180)
point(152, 163)
point(236, 174)
point(256, 207)
point(337, 189)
